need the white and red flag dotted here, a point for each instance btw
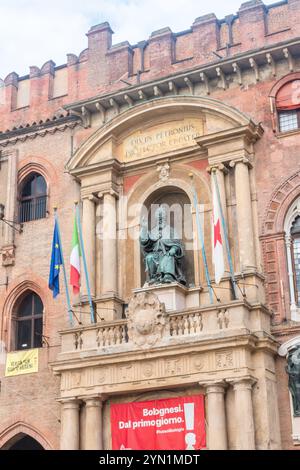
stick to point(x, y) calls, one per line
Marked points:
point(75, 261)
point(218, 254)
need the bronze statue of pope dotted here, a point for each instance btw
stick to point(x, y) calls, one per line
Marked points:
point(163, 251)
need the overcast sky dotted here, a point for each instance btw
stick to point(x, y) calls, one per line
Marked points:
point(34, 31)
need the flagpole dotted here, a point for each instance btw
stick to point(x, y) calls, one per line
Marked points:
point(234, 284)
point(84, 263)
point(201, 239)
point(70, 311)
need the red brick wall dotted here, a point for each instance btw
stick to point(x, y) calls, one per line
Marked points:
point(99, 67)
point(31, 399)
point(97, 70)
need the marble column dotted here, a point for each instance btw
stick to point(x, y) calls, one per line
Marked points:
point(93, 423)
point(109, 258)
point(69, 438)
point(89, 240)
point(244, 215)
point(216, 416)
point(244, 413)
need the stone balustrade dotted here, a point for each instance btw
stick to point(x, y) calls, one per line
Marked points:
point(111, 335)
point(115, 336)
point(186, 324)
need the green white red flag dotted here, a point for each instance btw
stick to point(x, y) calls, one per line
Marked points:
point(75, 260)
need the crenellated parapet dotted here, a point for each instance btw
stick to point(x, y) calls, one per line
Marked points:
point(104, 68)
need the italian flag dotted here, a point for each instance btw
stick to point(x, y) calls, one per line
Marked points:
point(75, 261)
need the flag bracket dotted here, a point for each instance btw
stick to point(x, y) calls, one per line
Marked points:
point(11, 223)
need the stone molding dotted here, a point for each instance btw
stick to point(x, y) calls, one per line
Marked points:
point(146, 110)
point(281, 199)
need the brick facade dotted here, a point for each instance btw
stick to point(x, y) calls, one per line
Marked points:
point(222, 60)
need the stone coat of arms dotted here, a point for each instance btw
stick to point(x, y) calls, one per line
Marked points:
point(147, 319)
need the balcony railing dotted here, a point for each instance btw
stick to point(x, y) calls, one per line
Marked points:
point(190, 325)
point(32, 209)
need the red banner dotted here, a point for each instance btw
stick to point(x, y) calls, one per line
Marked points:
point(167, 424)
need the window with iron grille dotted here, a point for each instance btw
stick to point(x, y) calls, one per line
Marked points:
point(29, 322)
point(288, 106)
point(288, 120)
point(33, 198)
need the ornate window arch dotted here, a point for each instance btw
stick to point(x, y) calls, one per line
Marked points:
point(285, 103)
point(292, 242)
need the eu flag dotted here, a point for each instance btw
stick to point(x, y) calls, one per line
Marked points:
point(56, 262)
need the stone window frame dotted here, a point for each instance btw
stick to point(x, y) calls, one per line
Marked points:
point(292, 213)
point(290, 77)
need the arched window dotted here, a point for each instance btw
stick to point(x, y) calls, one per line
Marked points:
point(29, 322)
point(33, 198)
point(288, 106)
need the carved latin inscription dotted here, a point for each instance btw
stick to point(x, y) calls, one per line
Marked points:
point(161, 139)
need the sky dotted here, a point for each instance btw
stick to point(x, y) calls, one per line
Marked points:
point(35, 31)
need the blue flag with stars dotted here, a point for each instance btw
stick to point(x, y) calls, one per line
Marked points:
point(56, 262)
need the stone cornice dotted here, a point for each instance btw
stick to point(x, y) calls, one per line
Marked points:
point(183, 82)
point(241, 338)
point(126, 168)
point(285, 329)
point(31, 132)
point(111, 164)
point(251, 132)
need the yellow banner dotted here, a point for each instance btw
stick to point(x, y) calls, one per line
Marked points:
point(22, 362)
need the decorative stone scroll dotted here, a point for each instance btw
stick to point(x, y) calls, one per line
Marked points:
point(147, 319)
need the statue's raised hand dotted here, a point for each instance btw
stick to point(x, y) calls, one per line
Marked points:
point(172, 251)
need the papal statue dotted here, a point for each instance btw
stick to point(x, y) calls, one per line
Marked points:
point(163, 251)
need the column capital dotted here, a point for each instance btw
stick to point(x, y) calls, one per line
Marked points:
point(244, 160)
point(106, 192)
point(94, 400)
point(217, 167)
point(214, 386)
point(89, 197)
point(242, 383)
